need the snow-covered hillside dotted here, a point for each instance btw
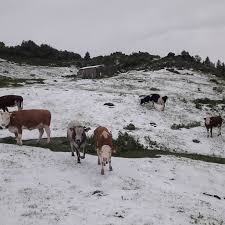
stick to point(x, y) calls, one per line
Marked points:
point(84, 100)
point(48, 188)
point(41, 187)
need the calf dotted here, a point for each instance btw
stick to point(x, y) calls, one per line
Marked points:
point(76, 134)
point(155, 98)
point(11, 101)
point(214, 121)
point(27, 119)
point(104, 147)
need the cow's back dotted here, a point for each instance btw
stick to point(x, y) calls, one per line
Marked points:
point(102, 137)
point(30, 118)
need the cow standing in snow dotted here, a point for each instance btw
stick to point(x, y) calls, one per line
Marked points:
point(76, 134)
point(104, 147)
point(156, 99)
point(27, 119)
point(11, 101)
point(213, 121)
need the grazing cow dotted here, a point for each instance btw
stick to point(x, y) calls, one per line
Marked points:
point(11, 101)
point(27, 119)
point(213, 121)
point(104, 147)
point(76, 134)
point(155, 98)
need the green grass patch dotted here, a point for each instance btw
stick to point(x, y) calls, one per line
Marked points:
point(18, 82)
point(126, 145)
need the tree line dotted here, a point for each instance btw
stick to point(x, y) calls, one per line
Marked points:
point(32, 53)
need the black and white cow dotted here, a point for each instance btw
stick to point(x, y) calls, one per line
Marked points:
point(76, 134)
point(11, 101)
point(155, 98)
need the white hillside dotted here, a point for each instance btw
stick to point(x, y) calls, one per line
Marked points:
point(48, 188)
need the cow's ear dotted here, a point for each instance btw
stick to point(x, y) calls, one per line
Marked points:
point(86, 129)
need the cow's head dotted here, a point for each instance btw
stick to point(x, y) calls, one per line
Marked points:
point(4, 119)
point(164, 98)
point(79, 134)
point(207, 120)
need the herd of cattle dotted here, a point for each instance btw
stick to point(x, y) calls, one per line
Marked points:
point(40, 119)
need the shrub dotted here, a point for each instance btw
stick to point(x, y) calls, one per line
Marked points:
point(130, 127)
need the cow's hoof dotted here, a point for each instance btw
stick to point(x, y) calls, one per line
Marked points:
point(82, 157)
point(102, 172)
point(78, 161)
point(110, 168)
point(72, 154)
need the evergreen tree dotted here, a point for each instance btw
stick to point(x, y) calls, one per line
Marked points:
point(87, 56)
point(2, 44)
point(198, 58)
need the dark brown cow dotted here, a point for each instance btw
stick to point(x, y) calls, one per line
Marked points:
point(27, 119)
point(11, 101)
point(104, 147)
point(213, 121)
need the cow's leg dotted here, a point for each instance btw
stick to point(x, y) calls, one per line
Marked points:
point(207, 132)
point(72, 148)
point(102, 170)
point(98, 153)
point(78, 155)
point(18, 104)
point(211, 131)
point(16, 137)
point(83, 157)
point(110, 166)
point(219, 130)
point(19, 137)
point(5, 109)
point(41, 131)
point(48, 132)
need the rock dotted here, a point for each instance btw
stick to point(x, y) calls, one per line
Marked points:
point(109, 104)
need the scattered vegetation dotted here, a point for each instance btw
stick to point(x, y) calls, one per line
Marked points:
point(218, 89)
point(214, 81)
point(187, 126)
point(154, 89)
point(172, 70)
point(17, 82)
point(208, 102)
point(130, 126)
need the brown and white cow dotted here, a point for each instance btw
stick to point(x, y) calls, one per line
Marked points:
point(213, 121)
point(104, 147)
point(76, 134)
point(11, 101)
point(27, 119)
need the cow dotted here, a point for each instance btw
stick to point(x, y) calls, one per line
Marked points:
point(103, 146)
point(11, 101)
point(27, 119)
point(156, 99)
point(213, 121)
point(76, 134)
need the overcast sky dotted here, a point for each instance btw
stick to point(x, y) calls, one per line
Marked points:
point(105, 26)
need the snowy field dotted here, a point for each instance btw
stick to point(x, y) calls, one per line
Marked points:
point(38, 186)
point(47, 188)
